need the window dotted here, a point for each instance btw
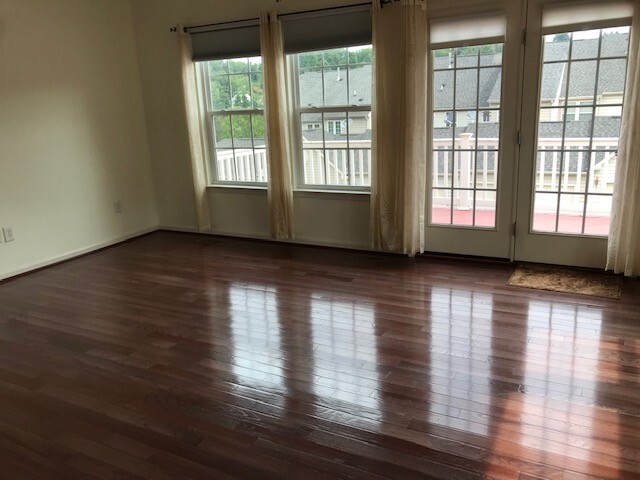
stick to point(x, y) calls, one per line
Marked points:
point(235, 118)
point(583, 81)
point(335, 126)
point(466, 135)
point(574, 112)
point(334, 91)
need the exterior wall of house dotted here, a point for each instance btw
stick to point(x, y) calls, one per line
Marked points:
point(358, 125)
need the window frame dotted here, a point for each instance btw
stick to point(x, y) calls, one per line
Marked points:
point(208, 116)
point(297, 111)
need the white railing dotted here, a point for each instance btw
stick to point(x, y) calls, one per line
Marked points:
point(337, 165)
point(583, 168)
point(458, 164)
point(241, 165)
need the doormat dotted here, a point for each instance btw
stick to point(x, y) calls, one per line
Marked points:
point(566, 280)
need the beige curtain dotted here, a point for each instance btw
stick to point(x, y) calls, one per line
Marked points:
point(194, 126)
point(400, 145)
point(276, 110)
point(623, 254)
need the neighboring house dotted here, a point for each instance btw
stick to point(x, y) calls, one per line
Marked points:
point(338, 90)
point(554, 85)
point(487, 91)
point(559, 87)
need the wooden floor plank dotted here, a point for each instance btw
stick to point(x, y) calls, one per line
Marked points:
point(187, 356)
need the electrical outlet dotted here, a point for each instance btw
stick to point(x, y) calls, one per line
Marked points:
point(117, 206)
point(8, 234)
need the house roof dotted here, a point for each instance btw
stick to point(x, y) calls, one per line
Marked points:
point(315, 135)
point(225, 143)
point(317, 117)
point(605, 127)
point(468, 88)
point(583, 72)
point(336, 90)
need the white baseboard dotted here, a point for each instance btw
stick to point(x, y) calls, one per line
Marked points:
point(294, 241)
point(171, 228)
point(76, 253)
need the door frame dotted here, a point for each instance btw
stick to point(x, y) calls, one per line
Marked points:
point(544, 247)
point(499, 241)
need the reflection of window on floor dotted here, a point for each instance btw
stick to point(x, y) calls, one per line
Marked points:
point(343, 332)
point(562, 359)
point(460, 373)
point(256, 335)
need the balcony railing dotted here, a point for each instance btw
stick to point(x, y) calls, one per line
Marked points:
point(241, 165)
point(340, 166)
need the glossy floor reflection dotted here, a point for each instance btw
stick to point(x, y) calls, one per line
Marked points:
point(183, 356)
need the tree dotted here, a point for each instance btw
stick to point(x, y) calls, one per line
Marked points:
point(237, 85)
point(561, 37)
point(337, 57)
point(490, 49)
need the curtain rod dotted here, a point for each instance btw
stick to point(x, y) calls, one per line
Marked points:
point(249, 20)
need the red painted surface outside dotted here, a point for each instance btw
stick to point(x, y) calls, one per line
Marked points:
point(542, 222)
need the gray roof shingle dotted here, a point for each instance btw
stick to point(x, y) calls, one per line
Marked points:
point(335, 86)
point(582, 84)
point(605, 127)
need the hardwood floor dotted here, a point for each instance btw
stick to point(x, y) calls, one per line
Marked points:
point(182, 356)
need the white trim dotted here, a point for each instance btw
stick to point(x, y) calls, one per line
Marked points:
point(244, 187)
point(337, 194)
point(294, 241)
point(76, 253)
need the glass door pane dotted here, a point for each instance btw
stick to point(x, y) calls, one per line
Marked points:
point(466, 135)
point(580, 105)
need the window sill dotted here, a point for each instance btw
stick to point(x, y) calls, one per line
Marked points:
point(298, 192)
point(329, 193)
point(250, 188)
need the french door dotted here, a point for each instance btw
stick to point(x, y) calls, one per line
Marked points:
point(575, 70)
point(525, 133)
point(475, 63)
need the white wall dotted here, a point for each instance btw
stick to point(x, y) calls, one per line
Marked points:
point(332, 220)
point(335, 219)
point(72, 131)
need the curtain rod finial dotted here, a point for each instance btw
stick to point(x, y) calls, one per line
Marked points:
point(173, 29)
